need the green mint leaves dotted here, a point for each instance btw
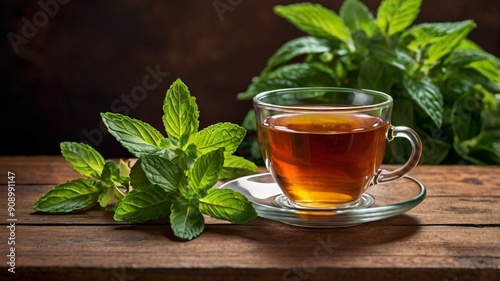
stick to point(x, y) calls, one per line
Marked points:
point(445, 83)
point(71, 196)
point(83, 158)
point(394, 16)
point(225, 204)
point(149, 203)
point(104, 186)
point(173, 176)
point(136, 136)
point(315, 20)
point(181, 114)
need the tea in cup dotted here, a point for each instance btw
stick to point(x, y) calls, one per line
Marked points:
point(324, 146)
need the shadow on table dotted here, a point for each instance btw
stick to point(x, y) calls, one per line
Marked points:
point(263, 231)
point(385, 231)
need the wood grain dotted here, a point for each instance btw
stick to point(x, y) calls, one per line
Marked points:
point(454, 234)
point(268, 252)
point(459, 209)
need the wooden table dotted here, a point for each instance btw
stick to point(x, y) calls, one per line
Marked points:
point(454, 234)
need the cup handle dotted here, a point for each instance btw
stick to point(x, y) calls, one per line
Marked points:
point(416, 151)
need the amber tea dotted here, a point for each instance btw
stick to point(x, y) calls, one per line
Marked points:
point(323, 159)
point(324, 145)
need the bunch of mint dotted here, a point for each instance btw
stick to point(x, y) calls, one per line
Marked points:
point(443, 85)
point(172, 177)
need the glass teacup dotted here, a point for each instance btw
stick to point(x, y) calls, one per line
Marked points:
point(324, 146)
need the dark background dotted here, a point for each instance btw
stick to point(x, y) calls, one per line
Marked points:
point(81, 60)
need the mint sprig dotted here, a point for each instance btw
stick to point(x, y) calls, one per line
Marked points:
point(105, 187)
point(173, 176)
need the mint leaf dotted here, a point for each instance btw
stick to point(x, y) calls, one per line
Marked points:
point(483, 150)
point(295, 48)
point(289, 76)
point(148, 203)
point(236, 166)
point(461, 57)
point(315, 20)
point(381, 52)
point(489, 70)
point(427, 96)
point(228, 205)
point(448, 42)
point(394, 16)
point(162, 172)
point(205, 171)
point(84, 159)
point(181, 114)
point(426, 34)
point(467, 78)
point(138, 137)
point(186, 220)
point(356, 16)
point(138, 178)
point(72, 196)
point(220, 135)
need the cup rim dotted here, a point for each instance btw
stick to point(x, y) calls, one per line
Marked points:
point(387, 103)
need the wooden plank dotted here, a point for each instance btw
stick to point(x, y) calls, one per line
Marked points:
point(433, 210)
point(37, 169)
point(452, 235)
point(269, 252)
point(231, 246)
point(458, 210)
point(459, 180)
point(465, 180)
point(490, 186)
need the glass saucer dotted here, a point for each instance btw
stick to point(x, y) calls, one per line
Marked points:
point(389, 199)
